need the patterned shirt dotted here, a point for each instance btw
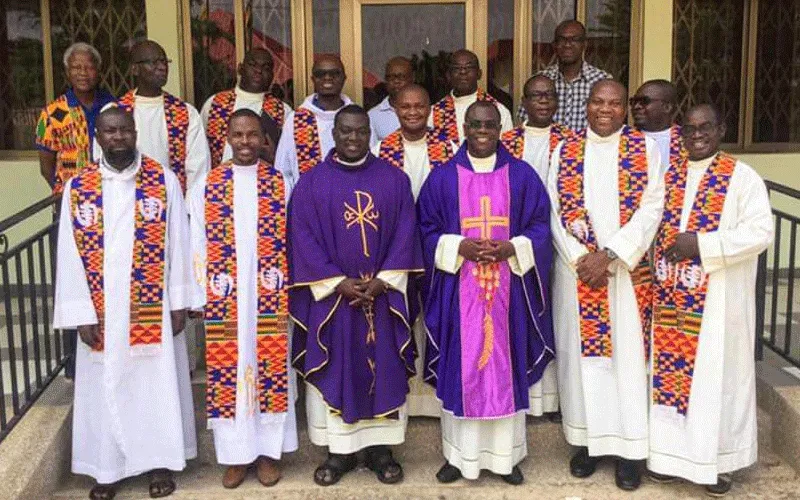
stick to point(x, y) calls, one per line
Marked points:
point(572, 96)
point(66, 128)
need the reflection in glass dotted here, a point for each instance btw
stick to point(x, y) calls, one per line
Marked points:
point(608, 26)
point(326, 27)
point(500, 73)
point(547, 15)
point(213, 47)
point(21, 72)
point(414, 31)
point(268, 25)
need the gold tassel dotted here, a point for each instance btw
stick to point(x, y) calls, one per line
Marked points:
point(488, 340)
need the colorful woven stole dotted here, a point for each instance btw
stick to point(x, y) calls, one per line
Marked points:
point(681, 289)
point(219, 115)
point(514, 139)
point(677, 154)
point(593, 304)
point(444, 116)
point(306, 140)
point(221, 310)
point(176, 114)
point(392, 150)
point(147, 275)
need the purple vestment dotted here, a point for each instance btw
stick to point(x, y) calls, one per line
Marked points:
point(351, 223)
point(489, 330)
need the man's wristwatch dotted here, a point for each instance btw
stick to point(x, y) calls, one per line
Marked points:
point(611, 254)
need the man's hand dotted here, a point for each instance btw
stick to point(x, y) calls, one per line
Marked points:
point(684, 248)
point(497, 251)
point(593, 269)
point(178, 321)
point(354, 291)
point(375, 287)
point(90, 335)
point(471, 248)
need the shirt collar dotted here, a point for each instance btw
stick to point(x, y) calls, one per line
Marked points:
point(127, 173)
point(101, 98)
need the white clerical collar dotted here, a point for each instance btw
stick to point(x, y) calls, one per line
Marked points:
point(591, 136)
point(537, 131)
point(701, 164)
point(249, 96)
point(483, 164)
point(246, 167)
point(419, 142)
point(109, 172)
point(140, 99)
point(659, 133)
point(464, 98)
point(352, 163)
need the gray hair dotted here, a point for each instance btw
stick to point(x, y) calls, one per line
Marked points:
point(85, 48)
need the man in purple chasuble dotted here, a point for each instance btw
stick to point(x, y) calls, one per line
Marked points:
point(353, 242)
point(485, 223)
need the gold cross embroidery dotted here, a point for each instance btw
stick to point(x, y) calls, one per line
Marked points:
point(363, 215)
point(485, 221)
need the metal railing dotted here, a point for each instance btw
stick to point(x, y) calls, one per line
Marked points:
point(31, 353)
point(775, 317)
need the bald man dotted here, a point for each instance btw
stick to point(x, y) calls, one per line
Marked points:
point(170, 130)
point(252, 92)
point(603, 229)
point(307, 135)
point(447, 116)
point(383, 117)
point(653, 108)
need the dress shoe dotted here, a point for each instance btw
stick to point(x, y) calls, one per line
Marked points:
point(628, 476)
point(582, 465)
point(448, 473)
point(515, 478)
point(267, 471)
point(234, 476)
point(660, 478)
point(723, 486)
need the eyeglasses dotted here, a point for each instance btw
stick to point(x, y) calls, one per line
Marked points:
point(322, 73)
point(704, 129)
point(153, 62)
point(487, 124)
point(540, 96)
point(563, 40)
point(643, 100)
point(465, 68)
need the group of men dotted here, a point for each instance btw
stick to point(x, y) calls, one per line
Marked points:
point(449, 265)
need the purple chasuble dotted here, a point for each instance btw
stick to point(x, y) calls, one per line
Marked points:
point(353, 222)
point(489, 330)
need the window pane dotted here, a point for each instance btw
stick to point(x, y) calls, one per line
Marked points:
point(111, 26)
point(608, 27)
point(707, 56)
point(547, 15)
point(413, 31)
point(326, 27)
point(22, 73)
point(500, 76)
point(777, 92)
point(269, 26)
point(213, 47)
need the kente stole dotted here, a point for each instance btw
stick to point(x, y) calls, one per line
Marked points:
point(680, 289)
point(595, 324)
point(219, 115)
point(484, 291)
point(176, 114)
point(306, 140)
point(392, 150)
point(147, 274)
point(514, 139)
point(444, 116)
point(221, 310)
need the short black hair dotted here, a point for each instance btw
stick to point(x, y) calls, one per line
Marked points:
point(715, 112)
point(113, 110)
point(665, 86)
point(483, 104)
point(350, 109)
point(245, 113)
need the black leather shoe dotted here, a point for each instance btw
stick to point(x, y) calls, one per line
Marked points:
point(582, 465)
point(660, 478)
point(723, 486)
point(515, 478)
point(554, 417)
point(628, 476)
point(448, 474)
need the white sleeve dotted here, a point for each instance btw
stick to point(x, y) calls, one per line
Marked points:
point(523, 259)
point(179, 252)
point(322, 289)
point(73, 304)
point(634, 238)
point(286, 154)
point(198, 156)
point(447, 258)
point(752, 231)
point(568, 248)
point(394, 279)
point(197, 232)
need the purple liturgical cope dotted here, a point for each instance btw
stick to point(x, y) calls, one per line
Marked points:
point(489, 330)
point(353, 222)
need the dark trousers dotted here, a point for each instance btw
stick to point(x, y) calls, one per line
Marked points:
point(70, 348)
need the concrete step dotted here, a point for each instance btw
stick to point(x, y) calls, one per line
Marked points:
point(546, 473)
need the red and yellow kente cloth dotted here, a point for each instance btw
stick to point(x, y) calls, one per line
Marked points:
point(680, 290)
point(677, 154)
point(514, 139)
point(306, 140)
point(147, 276)
point(391, 150)
point(221, 312)
point(219, 115)
point(595, 324)
point(176, 114)
point(67, 135)
point(444, 116)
